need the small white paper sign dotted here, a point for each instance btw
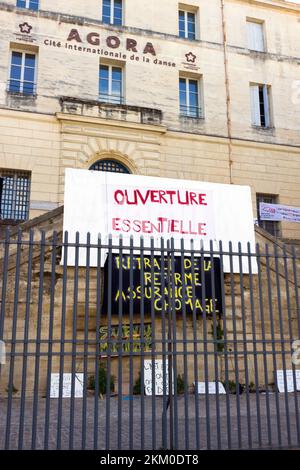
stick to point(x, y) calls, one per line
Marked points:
point(159, 377)
point(212, 388)
point(289, 380)
point(67, 386)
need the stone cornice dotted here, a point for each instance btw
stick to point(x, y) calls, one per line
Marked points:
point(111, 123)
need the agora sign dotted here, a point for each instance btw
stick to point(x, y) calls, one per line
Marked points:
point(113, 42)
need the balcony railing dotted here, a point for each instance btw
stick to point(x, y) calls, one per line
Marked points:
point(191, 111)
point(112, 99)
point(21, 88)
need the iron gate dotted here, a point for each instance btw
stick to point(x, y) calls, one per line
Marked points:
point(148, 348)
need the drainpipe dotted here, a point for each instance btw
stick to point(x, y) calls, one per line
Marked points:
point(227, 87)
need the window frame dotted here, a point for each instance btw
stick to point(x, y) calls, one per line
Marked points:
point(15, 191)
point(263, 30)
point(271, 226)
point(119, 99)
point(21, 81)
point(186, 11)
point(112, 20)
point(188, 106)
point(27, 5)
point(256, 91)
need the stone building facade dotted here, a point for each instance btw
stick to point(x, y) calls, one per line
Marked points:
point(193, 90)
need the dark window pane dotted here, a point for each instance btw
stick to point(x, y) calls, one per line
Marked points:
point(182, 84)
point(116, 73)
point(104, 70)
point(16, 58)
point(110, 166)
point(34, 4)
point(29, 60)
point(29, 75)
point(193, 86)
point(15, 72)
point(28, 88)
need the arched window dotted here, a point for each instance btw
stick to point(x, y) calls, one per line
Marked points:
point(109, 165)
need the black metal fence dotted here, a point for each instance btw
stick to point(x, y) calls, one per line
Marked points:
point(147, 348)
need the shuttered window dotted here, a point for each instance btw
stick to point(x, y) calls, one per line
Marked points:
point(256, 40)
point(260, 105)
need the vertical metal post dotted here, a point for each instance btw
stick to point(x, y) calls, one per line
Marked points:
point(195, 346)
point(282, 343)
point(185, 349)
point(170, 352)
point(120, 344)
point(38, 342)
point(153, 348)
point(86, 338)
point(255, 341)
point(245, 344)
point(97, 354)
point(50, 338)
point(205, 343)
point(131, 345)
point(290, 330)
point(13, 342)
point(264, 342)
point(142, 307)
point(109, 314)
point(62, 339)
point(163, 273)
point(235, 346)
point(25, 343)
point(74, 341)
point(226, 352)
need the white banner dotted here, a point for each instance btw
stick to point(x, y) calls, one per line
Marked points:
point(155, 208)
point(278, 213)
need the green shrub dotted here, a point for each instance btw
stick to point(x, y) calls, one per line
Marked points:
point(102, 381)
point(180, 384)
point(232, 387)
point(137, 386)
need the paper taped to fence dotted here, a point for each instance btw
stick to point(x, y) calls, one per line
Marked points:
point(212, 388)
point(67, 386)
point(289, 381)
point(161, 377)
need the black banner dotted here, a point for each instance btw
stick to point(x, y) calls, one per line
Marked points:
point(167, 286)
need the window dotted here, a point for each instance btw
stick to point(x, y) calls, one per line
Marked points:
point(30, 4)
point(110, 84)
point(22, 73)
point(111, 166)
point(187, 24)
point(255, 31)
point(112, 12)
point(189, 98)
point(260, 105)
point(270, 226)
point(14, 195)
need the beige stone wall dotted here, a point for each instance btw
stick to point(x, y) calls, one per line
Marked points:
point(47, 145)
point(36, 135)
